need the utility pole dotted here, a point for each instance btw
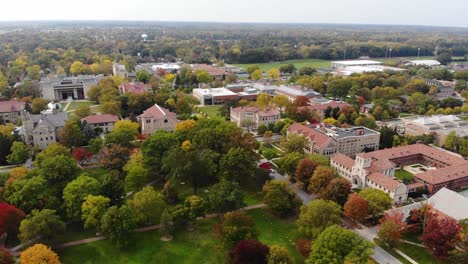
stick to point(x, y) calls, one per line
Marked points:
point(419, 49)
point(344, 54)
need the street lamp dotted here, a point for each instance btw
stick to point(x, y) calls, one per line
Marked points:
point(390, 53)
point(419, 49)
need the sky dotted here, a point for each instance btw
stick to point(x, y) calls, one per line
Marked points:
point(394, 12)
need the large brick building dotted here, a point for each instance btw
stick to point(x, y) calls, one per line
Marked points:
point(376, 169)
point(255, 116)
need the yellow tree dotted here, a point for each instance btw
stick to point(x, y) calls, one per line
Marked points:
point(39, 254)
point(77, 67)
point(127, 125)
point(185, 125)
point(274, 74)
point(256, 75)
point(263, 100)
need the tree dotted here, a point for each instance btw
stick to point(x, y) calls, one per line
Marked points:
point(294, 143)
point(126, 125)
point(322, 176)
point(391, 227)
point(28, 194)
point(450, 141)
point(339, 245)
point(440, 235)
point(356, 208)
point(318, 215)
point(113, 157)
point(304, 171)
point(339, 87)
point(256, 75)
point(123, 137)
point(169, 193)
point(203, 76)
point(320, 159)
point(225, 196)
point(54, 149)
point(377, 200)
point(10, 218)
point(39, 253)
point(6, 257)
point(143, 76)
point(70, 135)
point(112, 186)
point(280, 198)
point(81, 154)
point(76, 191)
point(117, 223)
point(77, 68)
point(83, 111)
point(58, 171)
point(280, 101)
point(236, 226)
point(303, 246)
point(155, 148)
point(38, 105)
point(337, 190)
point(279, 255)
point(43, 225)
point(92, 210)
point(19, 153)
point(274, 74)
point(444, 58)
point(237, 165)
point(263, 100)
point(249, 252)
point(137, 173)
point(196, 207)
point(166, 225)
point(288, 163)
point(289, 68)
point(147, 205)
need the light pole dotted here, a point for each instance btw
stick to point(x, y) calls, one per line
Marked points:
point(390, 53)
point(344, 54)
point(419, 49)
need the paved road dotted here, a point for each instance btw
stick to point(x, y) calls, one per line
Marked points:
point(380, 255)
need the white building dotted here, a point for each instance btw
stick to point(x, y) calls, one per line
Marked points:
point(348, 63)
point(255, 115)
point(214, 96)
point(157, 118)
point(426, 63)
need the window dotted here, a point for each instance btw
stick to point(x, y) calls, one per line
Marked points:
point(165, 120)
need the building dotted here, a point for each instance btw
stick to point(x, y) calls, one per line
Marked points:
point(62, 88)
point(138, 88)
point(432, 168)
point(320, 105)
point(214, 96)
point(253, 117)
point(43, 129)
point(328, 141)
point(293, 92)
point(444, 201)
point(353, 63)
point(216, 73)
point(119, 70)
point(157, 118)
point(446, 88)
point(426, 63)
point(102, 123)
point(153, 68)
point(346, 71)
point(438, 125)
point(10, 111)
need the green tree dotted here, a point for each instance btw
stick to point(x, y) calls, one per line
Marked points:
point(123, 137)
point(137, 173)
point(27, 194)
point(203, 76)
point(280, 101)
point(38, 105)
point(143, 76)
point(317, 216)
point(225, 196)
point(71, 135)
point(170, 193)
point(117, 224)
point(54, 149)
point(156, 147)
point(288, 163)
point(339, 245)
point(294, 143)
point(280, 198)
point(450, 141)
point(92, 210)
point(236, 226)
point(166, 224)
point(58, 171)
point(19, 153)
point(337, 190)
point(237, 165)
point(279, 255)
point(34, 72)
point(44, 224)
point(83, 111)
point(339, 87)
point(147, 205)
point(76, 191)
point(378, 200)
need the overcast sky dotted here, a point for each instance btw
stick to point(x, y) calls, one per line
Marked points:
point(414, 12)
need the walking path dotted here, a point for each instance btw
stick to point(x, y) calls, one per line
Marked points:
point(412, 243)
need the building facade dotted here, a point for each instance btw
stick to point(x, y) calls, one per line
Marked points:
point(62, 88)
point(10, 111)
point(328, 141)
point(253, 117)
point(157, 118)
point(103, 123)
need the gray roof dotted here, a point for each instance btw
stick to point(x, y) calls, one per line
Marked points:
point(52, 120)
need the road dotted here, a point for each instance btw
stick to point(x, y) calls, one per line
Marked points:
point(380, 255)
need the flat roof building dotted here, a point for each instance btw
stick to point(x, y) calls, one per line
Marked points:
point(62, 88)
point(427, 63)
point(348, 63)
point(214, 96)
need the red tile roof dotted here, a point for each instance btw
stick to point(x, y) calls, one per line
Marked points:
point(443, 175)
point(134, 88)
point(416, 149)
point(11, 106)
point(318, 138)
point(157, 112)
point(344, 160)
point(213, 71)
point(383, 180)
point(97, 119)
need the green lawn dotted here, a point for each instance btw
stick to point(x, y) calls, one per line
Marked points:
point(404, 175)
point(200, 246)
point(211, 111)
point(405, 115)
point(75, 105)
point(419, 254)
point(316, 63)
point(96, 172)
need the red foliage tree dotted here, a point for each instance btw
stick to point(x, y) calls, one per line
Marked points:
point(265, 166)
point(440, 235)
point(392, 225)
point(81, 154)
point(6, 257)
point(337, 190)
point(305, 169)
point(10, 218)
point(301, 101)
point(303, 246)
point(249, 252)
point(356, 208)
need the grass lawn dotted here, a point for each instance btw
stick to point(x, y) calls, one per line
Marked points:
point(419, 254)
point(96, 172)
point(211, 110)
point(404, 175)
point(405, 115)
point(316, 63)
point(74, 105)
point(200, 246)
point(413, 237)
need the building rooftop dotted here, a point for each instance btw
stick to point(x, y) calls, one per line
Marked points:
point(157, 112)
point(214, 91)
point(296, 91)
point(343, 160)
point(102, 118)
point(424, 62)
point(134, 87)
point(11, 106)
point(446, 174)
point(383, 180)
point(357, 62)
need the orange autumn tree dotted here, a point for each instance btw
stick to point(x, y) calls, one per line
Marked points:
point(356, 208)
point(391, 228)
point(39, 253)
